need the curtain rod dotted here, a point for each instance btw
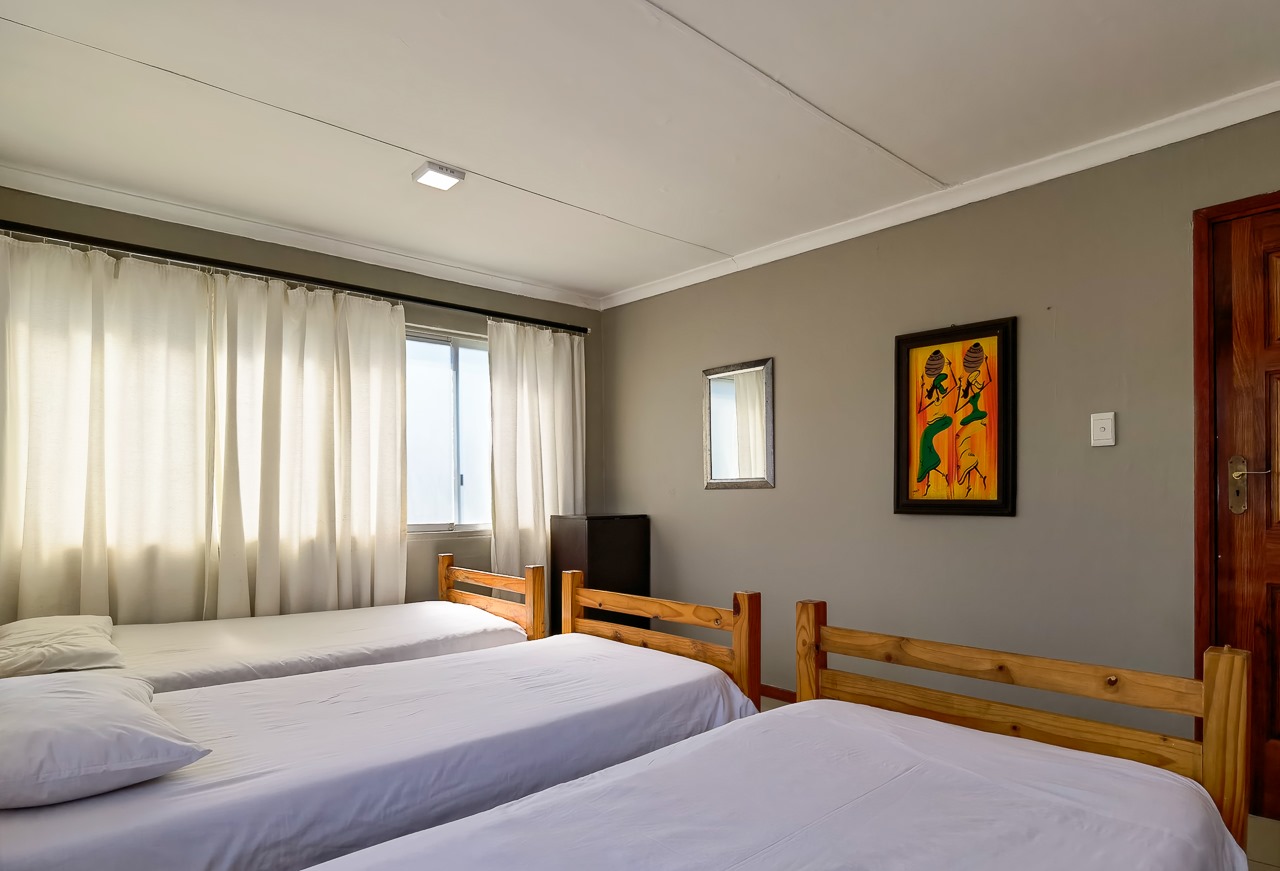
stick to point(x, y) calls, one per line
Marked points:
point(58, 236)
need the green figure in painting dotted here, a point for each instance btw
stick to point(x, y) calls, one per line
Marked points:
point(933, 390)
point(971, 447)
point(972, 385)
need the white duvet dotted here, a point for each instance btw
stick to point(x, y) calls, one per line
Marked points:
point(309, 767)
point(829, 785)
point(179, 656)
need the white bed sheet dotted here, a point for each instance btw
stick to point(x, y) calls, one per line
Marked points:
point(832, 785)
point(179, 656)
point(309, 767)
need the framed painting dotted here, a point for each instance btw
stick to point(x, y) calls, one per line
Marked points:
point(955, 433)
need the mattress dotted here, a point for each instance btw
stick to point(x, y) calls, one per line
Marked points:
point(832, 785)
point(309, 767)
point(179, 656)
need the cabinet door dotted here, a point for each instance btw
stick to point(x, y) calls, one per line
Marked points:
point(568, 553)
point(618, 561)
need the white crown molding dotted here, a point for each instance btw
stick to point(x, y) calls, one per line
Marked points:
point(58, 187)
point(1235, 109)
point(696, 275)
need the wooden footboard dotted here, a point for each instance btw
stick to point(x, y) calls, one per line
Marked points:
point(740, 660)
point(530, 615)
point(1220, 762)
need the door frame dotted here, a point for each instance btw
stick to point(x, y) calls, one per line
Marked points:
point(1205, 562)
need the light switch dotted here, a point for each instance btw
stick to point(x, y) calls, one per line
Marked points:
point(1102, 429)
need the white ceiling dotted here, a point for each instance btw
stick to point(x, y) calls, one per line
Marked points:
point(615, 148)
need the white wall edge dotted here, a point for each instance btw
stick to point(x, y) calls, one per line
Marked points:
point(57, 187)
point(1226, 112)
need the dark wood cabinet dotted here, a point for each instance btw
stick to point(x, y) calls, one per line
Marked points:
point(611, 550)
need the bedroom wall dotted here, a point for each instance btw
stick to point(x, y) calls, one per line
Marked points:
point(1098, 563)
point(471, 549)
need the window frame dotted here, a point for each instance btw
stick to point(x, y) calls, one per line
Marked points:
point(421, 334)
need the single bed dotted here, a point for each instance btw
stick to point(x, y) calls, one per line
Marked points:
point(887, 782)
point(308, 767)
point(179, 656)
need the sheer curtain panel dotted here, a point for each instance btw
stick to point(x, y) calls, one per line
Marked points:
point(176, 445)
point(537, 385)
point(749, 395)
point(308, 452)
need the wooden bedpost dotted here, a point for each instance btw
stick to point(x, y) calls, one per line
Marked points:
point(442, 570)
point(811, 616)
point(746, 644)
point(571, 613)
point(535, 601)
point(1226, 735)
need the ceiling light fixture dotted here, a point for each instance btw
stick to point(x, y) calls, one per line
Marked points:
point(437, 175)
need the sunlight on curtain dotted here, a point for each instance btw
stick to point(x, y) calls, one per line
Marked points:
point(371, 449)
point(148, 486)
point(175, 445)
point(539, 437)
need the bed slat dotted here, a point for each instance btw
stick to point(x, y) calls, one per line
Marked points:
point(513, 611)
point(488, 579)
point(670, 610)
point(719, 656)
point(1179, 755)
point(1143, 689)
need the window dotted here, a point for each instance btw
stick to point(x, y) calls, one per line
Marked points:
point(447, 433)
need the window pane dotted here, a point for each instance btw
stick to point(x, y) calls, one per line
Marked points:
point(474, 459)
point(429, 431)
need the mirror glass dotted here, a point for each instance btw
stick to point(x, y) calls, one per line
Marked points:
point(738, 425)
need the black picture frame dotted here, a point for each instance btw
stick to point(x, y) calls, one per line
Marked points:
point(1005, 505)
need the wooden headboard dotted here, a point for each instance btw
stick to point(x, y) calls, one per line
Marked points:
point(529, 615)
point(1220, 762)
point(740, 660)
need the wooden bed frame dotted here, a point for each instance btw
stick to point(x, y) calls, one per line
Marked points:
point(740, 660)
point(530, 615)
point(1219, 762)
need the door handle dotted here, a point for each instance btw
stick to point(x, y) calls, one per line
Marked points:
point(1238, 497)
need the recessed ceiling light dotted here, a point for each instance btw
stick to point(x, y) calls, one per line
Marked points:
point(437, 175)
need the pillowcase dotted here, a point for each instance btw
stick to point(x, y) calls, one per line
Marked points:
point(42, 645)
point(68, 736)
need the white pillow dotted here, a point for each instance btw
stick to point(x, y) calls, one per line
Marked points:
point(67, 736)
point(42, 645)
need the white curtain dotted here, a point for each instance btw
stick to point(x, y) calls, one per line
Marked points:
point(748, 390)
point(537, 387)
point(178, 446)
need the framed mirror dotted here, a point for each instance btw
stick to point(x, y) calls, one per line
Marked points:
point(737, 426)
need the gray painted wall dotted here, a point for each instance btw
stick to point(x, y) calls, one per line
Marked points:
point(471, 550)
point(1098, 268)
point(1098, 563)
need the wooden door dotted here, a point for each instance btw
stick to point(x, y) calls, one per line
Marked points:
point(1238, 260)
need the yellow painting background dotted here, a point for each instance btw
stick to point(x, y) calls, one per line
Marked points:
point(965, 453)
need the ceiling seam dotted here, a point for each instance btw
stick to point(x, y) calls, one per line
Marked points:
point(367, 136)
point(813, 107)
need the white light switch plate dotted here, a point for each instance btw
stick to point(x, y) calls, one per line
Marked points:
point(1102, 429)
